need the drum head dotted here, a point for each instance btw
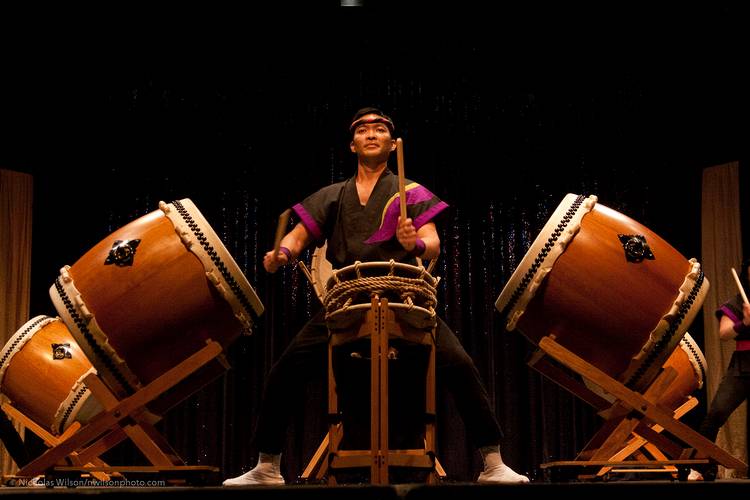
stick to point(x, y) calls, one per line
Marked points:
point(321, 270)
point(410, 292)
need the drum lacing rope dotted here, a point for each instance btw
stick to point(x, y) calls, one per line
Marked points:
point(343, 293)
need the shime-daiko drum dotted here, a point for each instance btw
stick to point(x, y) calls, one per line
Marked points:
point(346, 292)
point(609, 289)
point(41, 373)
point(149, 295)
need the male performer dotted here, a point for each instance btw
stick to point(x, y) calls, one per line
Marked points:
point(359, 218)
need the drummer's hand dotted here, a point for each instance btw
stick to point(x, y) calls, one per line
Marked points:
point(273, 263)
point(746, 314)
point(406, 234)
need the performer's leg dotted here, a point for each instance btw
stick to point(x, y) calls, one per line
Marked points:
point(456, 369)
point(284, 386)
point(732, 391)
point(305, 354)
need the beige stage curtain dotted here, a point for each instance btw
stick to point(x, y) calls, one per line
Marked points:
point(721, 250)
point(16, 197)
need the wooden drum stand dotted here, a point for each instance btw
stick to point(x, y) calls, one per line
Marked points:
point(121, 419)
point(380, 324)
point(633, 423)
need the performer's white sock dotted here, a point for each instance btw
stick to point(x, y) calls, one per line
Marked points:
point(694, 475)
point(495, 470)
point(266, 472)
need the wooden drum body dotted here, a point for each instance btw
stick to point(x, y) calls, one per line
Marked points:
point(151, 294)
point(41, 372)
point(690, 363)
point(609, 290)
point(690, 366)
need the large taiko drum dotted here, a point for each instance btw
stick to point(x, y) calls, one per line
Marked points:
point(41, 372)
point(609, 289)
point(346, 293)
point(149, 295)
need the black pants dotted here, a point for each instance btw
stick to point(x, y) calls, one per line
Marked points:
point(733, 390)
point(308, 350)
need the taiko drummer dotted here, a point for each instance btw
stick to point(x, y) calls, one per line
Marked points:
point(360, 220)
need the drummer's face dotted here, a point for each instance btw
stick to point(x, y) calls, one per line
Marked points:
point(372, 139)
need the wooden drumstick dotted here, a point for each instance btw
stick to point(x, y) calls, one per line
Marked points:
point(402, 182)
point(283, 220)
point(401, 177)
point(739, 286)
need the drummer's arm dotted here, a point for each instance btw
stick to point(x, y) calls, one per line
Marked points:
point(729, 330)
point(294, 242)
point(726, 328)
point(407, 235)
point(428, 234)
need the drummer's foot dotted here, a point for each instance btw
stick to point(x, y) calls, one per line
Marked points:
point(694, 475)
point(266, 473)
point(501, 474)
point(495, 471)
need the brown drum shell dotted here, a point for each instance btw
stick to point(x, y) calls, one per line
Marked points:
point(596, 303)
point(35, 383)
point(162, 308)
point(151, 294)
point(685, 383)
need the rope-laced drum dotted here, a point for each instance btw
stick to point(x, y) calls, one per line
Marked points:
point(410, 290)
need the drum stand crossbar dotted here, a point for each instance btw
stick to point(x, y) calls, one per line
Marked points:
point(80, 447)
point(380, 324)
point(51, 440)
point(633, 423)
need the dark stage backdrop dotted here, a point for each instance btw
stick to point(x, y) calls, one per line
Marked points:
point(246, 126)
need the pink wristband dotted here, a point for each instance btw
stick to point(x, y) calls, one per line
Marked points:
point(286, 252)
point(740, 327)
point(419, 248)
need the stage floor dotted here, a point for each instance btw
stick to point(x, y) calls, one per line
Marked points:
point(686, 490)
